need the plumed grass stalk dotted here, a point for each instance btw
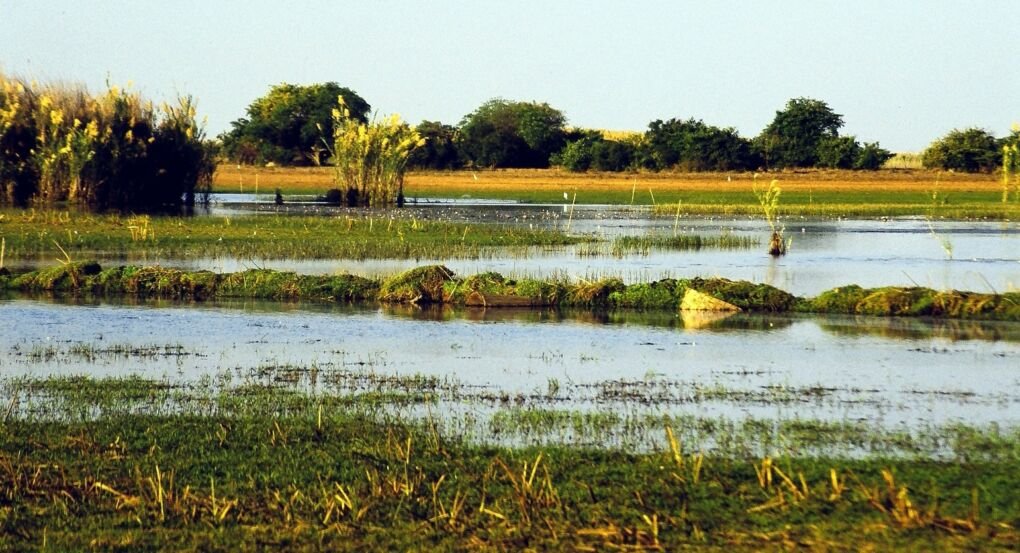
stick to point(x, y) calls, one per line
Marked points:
point(1010, 170)
point(768, 198)
point(58, 142)
point(371, 158)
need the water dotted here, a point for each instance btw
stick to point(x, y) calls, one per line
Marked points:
point(891, 373)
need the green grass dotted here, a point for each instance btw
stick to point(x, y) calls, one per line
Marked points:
point(259, 467)
point(49, 234)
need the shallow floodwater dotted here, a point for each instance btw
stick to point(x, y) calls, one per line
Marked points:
point(891, 373)
point(823, 255)
point(983, 256)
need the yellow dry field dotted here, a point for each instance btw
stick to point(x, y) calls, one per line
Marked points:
point(316, 180)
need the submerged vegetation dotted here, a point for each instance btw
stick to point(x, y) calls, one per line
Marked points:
point(112, 151)
point(140, 465)
point(439, 285)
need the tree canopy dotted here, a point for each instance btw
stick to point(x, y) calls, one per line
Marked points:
point(793, 136)
point(970, 149)
point(288, 125)
point(503, 133)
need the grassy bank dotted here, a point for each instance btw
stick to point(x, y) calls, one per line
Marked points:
point(53, 233)
point(436, 284)
point(807, 193)
point(143, 465)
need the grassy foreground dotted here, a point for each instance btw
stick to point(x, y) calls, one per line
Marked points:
point(436, 284)
point(113, 465)
point(805, 193)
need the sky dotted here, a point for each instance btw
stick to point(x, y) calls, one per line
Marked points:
point(901, 72)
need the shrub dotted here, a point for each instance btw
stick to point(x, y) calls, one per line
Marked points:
point(501, 133)
point(969, 150)
point(692, 145)
point(59, 143)
point(290, 124)
point(439, 151)
point(371, 158)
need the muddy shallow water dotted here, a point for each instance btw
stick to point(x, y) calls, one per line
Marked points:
point(891, 373)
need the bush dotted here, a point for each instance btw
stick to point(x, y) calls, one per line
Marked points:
point(592, 151)
point(692, 145)
point(291, 124)
point(371, 158)
point(439, 152)
point(872, 157)
point(969, 150)
point(502, 133)
point(59, 143)
point(793, 137)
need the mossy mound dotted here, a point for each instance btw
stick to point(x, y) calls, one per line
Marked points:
point(421, 285)
point(65, 277)
point(594, 294)
point(436, 284)
point(661, 294)
point(915, 301)
point(746, 295)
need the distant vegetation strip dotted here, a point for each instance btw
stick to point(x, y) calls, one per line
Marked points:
point(38, 233)
point(436, 284)
point(805, 193)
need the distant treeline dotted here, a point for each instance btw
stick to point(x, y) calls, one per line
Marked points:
point(116, 150)
point(287, 127)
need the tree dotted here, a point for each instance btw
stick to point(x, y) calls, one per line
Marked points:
point(692, 145)
point(871, 157)
point(290, 124)
point(502, 133)
point(970, 150)
point(439, 151)
point(838, 152)
point(793, 137)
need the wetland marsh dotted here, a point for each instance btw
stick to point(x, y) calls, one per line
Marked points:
point(590, 420)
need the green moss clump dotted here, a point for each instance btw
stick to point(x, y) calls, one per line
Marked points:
point(838, 300)
point(595, 294)
point(746, 295)
point(65, 277)
point(661, 294)
point(420, 285)
point(543, 292)
point(892, 301)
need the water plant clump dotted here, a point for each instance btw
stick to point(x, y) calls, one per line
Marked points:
point(60, 143)
point(768, 199)
point(681, 242)
point(370, 158)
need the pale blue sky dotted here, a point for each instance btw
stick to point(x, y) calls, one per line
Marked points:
point(902, 72)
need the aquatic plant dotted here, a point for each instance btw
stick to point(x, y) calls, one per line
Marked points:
point(768, 199)
point(1010, 170)
point(110, 151)
point(371, 158)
